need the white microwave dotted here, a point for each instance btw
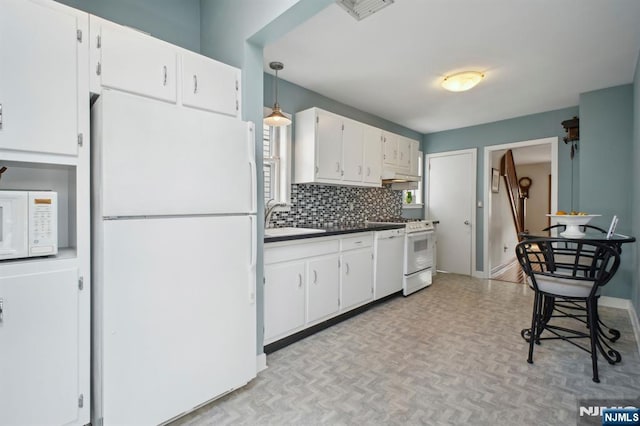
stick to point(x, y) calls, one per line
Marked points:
point(28, 224)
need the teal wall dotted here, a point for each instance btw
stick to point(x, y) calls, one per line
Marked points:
point(606, 173)
point(293, 98)
point(635, 194)
point(535, 126)
point(234, 32)
point(175, 21)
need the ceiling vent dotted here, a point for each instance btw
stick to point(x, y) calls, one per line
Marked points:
point(360, 9)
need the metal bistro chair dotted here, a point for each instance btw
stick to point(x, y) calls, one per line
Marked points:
point(570, 270)
point(569, 308)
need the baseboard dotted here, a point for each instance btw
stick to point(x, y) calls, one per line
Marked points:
point(479, 274)
point(635, 324)
point(614, 302)
point(503, 266)
point(261, 362)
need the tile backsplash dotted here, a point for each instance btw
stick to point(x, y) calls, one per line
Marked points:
point(326, 205)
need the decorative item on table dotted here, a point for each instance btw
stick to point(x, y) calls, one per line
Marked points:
point(572, 222)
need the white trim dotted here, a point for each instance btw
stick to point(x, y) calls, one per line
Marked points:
point(474, 185)
point(553, 141)
point(261, 362)
point(635, 324)
point(614, 302)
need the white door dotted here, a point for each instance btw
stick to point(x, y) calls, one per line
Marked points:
point(155, 158)
point(178, 314)
point(39, 76)
point(450, 195)
point(39, 366)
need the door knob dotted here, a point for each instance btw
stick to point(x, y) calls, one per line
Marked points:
point(466, 222)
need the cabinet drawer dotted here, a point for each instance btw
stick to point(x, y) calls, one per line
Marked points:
point(361, 240)
point(300, 250)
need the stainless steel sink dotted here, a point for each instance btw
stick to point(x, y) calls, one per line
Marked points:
point(282, 232)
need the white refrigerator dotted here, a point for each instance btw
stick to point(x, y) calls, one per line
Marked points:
point(174, 255)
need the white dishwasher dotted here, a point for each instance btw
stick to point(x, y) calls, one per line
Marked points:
point(389, 260)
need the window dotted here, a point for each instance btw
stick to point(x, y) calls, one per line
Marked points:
point(276, 149)
point(416, 194)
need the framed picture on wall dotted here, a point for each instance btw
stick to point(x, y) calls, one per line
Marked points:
point(495, 180)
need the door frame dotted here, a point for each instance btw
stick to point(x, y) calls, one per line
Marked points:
point(474, 185)
point(488, 150)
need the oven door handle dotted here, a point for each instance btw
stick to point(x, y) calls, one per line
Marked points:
point(418, 234)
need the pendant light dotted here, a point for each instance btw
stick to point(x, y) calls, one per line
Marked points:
point(276, 118)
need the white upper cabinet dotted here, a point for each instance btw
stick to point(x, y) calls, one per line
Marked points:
point(210, 85)
point(352, 150)
point(372, 155)
point(134, 62)
point(390, 148)
point(128, 60)
point(42, 76)
point(331, 149)
point(327, 144)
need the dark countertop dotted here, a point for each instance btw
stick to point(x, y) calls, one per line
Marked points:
point(336, 230)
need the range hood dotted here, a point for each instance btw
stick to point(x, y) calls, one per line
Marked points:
point(390, 176)
point(398, 180)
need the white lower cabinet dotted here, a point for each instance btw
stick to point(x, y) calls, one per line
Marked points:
point(324, 288)
point(40, 348)
point(284, 298)
point(309, 281)
point(356, 275)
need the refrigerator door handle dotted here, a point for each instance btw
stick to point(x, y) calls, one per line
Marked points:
point(252, 166)
point(254, 182)
point(254, 255)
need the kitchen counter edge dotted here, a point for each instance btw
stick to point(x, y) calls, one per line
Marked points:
point(341, 230)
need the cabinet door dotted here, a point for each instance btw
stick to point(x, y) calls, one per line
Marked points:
point(39, 348)
point(356, 278)
point(284, 301)
point(404, 153)
point(137, 63)
point(323, 283)
point(328, 146)
point(415, 156)
point(390, 148)
point(372, 155)
point(209, 84)
point(352, 150)
point(39, 76)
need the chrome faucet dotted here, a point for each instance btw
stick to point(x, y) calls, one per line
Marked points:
point(269, 207)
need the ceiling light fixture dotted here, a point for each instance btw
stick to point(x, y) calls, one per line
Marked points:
point(360, 9)
point(276, 118)
point(462, 81)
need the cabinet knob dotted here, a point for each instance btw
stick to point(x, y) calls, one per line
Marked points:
point(347, 265)
point(359, 170)
point(164, 78)
point(337, 166)
point(195, 84)
point(368, 171)
point(315, 276)
point(299, 280)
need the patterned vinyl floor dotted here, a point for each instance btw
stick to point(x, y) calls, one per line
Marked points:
point(448, 355)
